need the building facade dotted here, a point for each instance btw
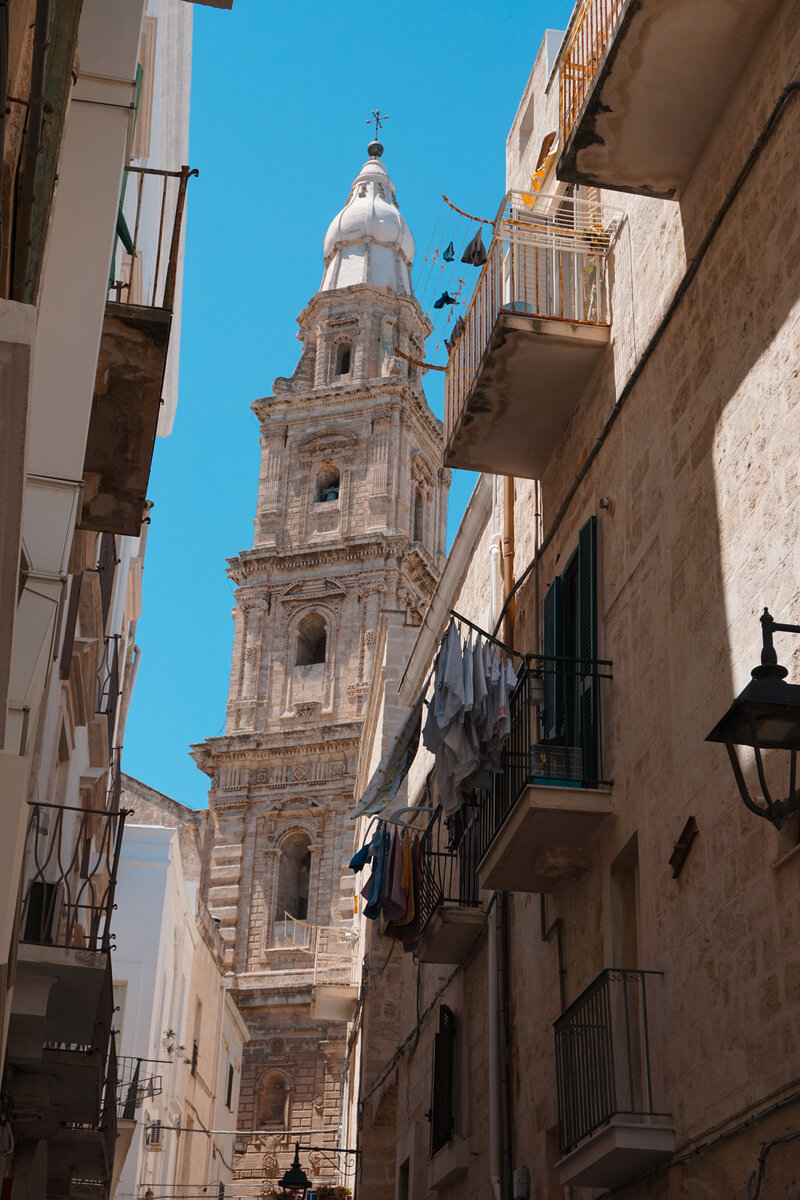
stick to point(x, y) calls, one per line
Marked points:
point(94, 102)
point(622, 1017)
point(350, 524)
point(179, 1034)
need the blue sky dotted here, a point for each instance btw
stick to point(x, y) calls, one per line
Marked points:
point(280, 97)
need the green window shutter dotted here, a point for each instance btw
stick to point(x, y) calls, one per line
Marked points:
point(553, 629)
point(123, 233)
point(587, 649)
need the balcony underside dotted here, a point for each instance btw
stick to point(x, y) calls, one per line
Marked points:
point(526, 388)
point(659, 91)
point(449, 934)
point(56, 998)
point(543, 838)
point(77, 1164)
point(615, 1154)
point(125, 409)
point(334, 1001)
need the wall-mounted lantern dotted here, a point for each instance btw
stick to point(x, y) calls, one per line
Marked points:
point(295, 1179)
point(765, 716)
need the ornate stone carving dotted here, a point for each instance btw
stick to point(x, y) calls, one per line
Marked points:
point(369, 637)
point(337, 770)
point(300, 772)
point(319, 1105)
point(260, 776)
point(307, 708)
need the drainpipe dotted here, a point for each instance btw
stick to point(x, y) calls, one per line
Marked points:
point(495, 1131)
point(508, 557)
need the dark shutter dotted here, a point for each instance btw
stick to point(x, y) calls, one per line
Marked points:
point(69, 626)
point(553, 625)
point(442, 1084)
point(229, 1093)
point(587, 648)
point(106, 565)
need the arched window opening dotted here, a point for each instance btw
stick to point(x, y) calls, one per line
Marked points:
point(419, 514)
point(312, 641)
point(294, 874)
point(328, 485)
point(343, 356)
point(273, 1095)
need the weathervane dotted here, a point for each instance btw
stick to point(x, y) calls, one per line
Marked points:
point(377, 119)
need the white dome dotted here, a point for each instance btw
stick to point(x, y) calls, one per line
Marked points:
point(369, 241)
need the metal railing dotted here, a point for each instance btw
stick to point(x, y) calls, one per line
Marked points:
point(136, 1082)
point(71, 862)
point(211, 926)
point(547, 259)
point(603, 1057)
point(145, 265)
point(108, 683)
point(335, 956)
point(449, 853)
point(556, 734)
point(580, 58)
point(292, 932)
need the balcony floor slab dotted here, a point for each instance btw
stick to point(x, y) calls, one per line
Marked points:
point(449, 934)
point(526, 388)
point(615, 1154)
point(333, 1001)
point(659, 90)
point(544, 818)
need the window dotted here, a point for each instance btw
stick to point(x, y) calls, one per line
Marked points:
point(272, 1101)
point(569, 639)
point(312, 639)
point(294, 872)
point(419, 515)
point(327, 485)
point(343, 355)
point(229, 1089)
point(441, 1114)
point(198, 1021)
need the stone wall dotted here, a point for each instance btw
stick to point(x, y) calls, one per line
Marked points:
point(702, 532)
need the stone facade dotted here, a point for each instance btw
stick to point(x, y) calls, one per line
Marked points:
point(350, 525)
point(683, 447)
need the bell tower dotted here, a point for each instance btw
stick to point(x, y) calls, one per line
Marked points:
point(350, 524)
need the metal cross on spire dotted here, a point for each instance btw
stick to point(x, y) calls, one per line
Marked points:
point(377, 119)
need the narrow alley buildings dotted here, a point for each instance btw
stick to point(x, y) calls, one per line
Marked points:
point(604, 996)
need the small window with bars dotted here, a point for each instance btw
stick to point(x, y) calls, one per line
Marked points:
point(441, 1112)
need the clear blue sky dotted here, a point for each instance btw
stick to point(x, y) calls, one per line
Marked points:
point(280, 96)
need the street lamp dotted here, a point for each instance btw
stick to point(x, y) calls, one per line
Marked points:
point(295, 1179)
point(765, 716)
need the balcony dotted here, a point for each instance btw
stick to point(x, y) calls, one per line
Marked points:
point(334, 993)
point(65, 936)
point(80, 1159)
point(552, 795)
point(535, 329)
point(133, 354)
point(642, 86)
point(609, 1130)
point(450, 913)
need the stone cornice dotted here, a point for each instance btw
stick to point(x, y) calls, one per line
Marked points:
point(355, 548)
point(392, 391)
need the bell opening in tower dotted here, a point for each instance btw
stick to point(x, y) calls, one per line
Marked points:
point(312, 641)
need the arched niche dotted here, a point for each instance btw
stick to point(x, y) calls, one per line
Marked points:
point(328, 484)
point(311, 646)
point(274, 1097)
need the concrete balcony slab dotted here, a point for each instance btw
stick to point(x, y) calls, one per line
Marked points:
point(615, 1154)
point(543, 838)
point(449, 934)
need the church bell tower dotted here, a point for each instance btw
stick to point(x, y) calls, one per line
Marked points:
point(350, 524)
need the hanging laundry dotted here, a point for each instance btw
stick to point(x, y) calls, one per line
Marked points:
point(393, 767)
point(374, 888)
point(445, 298)
point(449, 253)
point(475, 253)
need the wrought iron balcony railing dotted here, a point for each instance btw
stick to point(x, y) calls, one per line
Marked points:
point(108, 683)
point(603, 1057)
point(449, 853)
point(587, 40)
point(556, 732)
point(136, 1081)
point(145, 267)
point(71, 862)
point(547, 260)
